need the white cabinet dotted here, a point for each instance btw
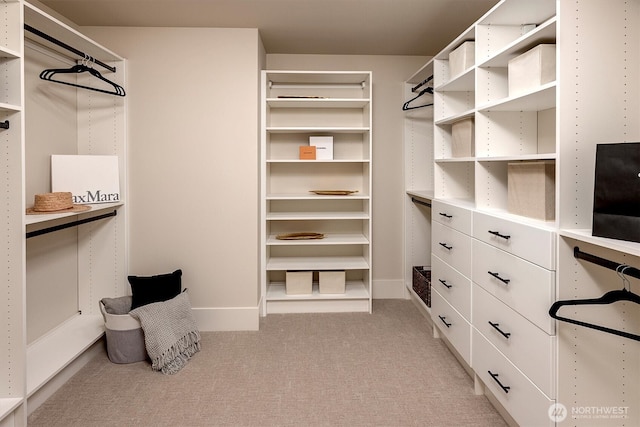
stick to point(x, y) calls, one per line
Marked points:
point(558, 122)
point(55, 267)
point(297, 105)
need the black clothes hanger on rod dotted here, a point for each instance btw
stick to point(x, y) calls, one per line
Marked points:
point(406, 106)
point(610, 297)
point(82, 68)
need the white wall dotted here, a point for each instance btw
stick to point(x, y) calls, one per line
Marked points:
point(193, 112)
point(389, 73)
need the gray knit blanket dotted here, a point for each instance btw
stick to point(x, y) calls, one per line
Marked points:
point(171, 335)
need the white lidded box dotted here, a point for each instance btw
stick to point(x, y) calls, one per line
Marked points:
point(462, 138)
point(532, 69)
point(299, 282)
point(462, 58)
point(324, 147)
point(331, 282)
point(531, 189)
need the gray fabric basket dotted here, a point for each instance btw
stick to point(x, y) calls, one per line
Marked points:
point(125, 339)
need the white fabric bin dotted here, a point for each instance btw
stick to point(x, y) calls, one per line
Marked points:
point(125, 338)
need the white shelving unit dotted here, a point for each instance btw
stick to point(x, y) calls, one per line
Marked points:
point(52, 280)
point(295, 106)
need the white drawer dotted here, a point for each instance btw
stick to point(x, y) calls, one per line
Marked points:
point(527, 346)
point(452, 286)
point(523, 286)
point(452, 325)
point(452, 247)
point(456, 217)
point(524, 401)
point(535, 244)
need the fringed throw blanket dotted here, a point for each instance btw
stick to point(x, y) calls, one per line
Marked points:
point(170, 333)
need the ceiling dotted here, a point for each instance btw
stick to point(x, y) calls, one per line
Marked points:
point(349, 27)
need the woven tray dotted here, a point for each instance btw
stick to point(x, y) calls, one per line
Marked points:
point(334, 192)
point(300, 236)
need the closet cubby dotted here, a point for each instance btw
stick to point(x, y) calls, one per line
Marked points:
point(297, 105)
point(56, 267)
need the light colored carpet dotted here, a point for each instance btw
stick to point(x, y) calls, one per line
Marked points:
point(351, 369)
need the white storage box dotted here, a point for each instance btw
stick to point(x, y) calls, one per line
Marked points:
point(532, 69)
point(324, 147)
point(332, 282)
point(462, 58)
point(299, 282)
point(462, 138)
point(531, 189)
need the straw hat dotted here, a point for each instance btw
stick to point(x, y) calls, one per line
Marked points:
point(58, 202)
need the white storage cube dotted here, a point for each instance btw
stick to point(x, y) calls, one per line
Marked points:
point(532, 69)
point(462, 58)
point(324, 147)
point(332, 282)
point(299, 282)
point(462, 138)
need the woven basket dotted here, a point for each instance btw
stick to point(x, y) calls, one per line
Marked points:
point(422, 284)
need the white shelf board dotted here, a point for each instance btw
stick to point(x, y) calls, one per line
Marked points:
point(317, 102)
point(307, 216)
point(456, 160)
point(318, 78)
point(95, 208)
point(422, 74)
point(585, 235)
point(452, 119)
point(516, 12)
point(318, 161)
point(544, 156)
point(426, 195)
point(10, 107)
point(276, 291)
point(310, 196)
point(539, 99)
point(317, 263)
point(463, 82)
point(329, 239)
point(8, 405)
point(310, 129)
point(52, 352)
point(5, 52)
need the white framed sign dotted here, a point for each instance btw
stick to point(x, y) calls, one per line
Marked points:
point(90, 179)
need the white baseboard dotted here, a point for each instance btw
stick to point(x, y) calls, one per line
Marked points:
point(389, 289)
point(227, 318)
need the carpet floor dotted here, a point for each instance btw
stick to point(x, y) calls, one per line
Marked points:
point(338, 369)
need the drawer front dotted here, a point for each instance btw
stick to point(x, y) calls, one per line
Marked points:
point(532, 243)
point(525, 287)
point(524, 401)
point(452, 325)
point(523, 343)
point(452, 286)
point(452, 247)
point(456, 217)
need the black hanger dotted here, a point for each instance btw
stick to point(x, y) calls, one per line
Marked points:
point(608, 298)
point(82, 68)
point(406, 106)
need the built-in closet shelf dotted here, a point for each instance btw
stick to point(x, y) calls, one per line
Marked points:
point(426, 195)
point(631, 248)
point(317, 263)
point(308, 129)
point(540, 99)
point(545, 156)
point(452, 119)
point(309, 216)
point(9, 53)
point(456, 160)
point(8, 405)
point(50, 353)
point(319, 161)
point(10, 107)
point(302, 196)
point(464, 82)
point(353, 290)
point(95, 208)
point(317, 103)
point(329, 239)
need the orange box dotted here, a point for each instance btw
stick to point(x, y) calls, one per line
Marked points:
point(307, 152)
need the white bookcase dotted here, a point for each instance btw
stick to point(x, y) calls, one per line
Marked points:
point(295, 106)
point(528, 361)
point(52, 280)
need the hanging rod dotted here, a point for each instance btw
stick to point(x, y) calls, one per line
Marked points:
point(611, 265)
point(67, 47)
point(69, 225)
point(420, 202)
point(4, 125)
point(422, 83)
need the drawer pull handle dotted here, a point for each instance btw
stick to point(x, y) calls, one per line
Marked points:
point(497, 233)
point(448, 325)
point(497, 276)
point(446, 215)
point(444, 282)
point(444, 245)
point(504, 388)
point(496, 326)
